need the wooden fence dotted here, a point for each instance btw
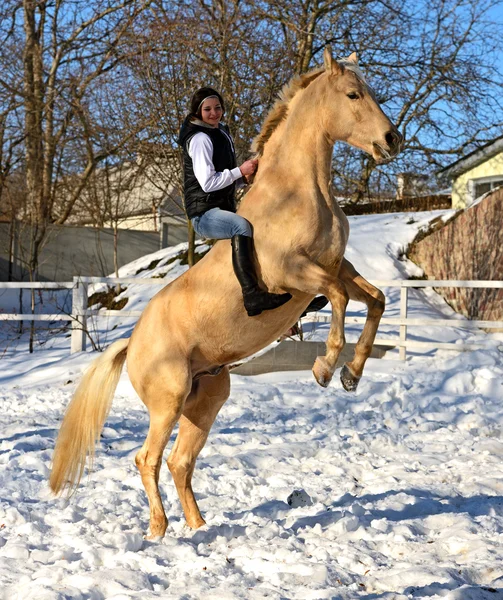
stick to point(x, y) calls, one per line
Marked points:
point(392, 205)
point(80, 311)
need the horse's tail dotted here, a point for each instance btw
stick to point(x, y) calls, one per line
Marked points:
point(85, 417)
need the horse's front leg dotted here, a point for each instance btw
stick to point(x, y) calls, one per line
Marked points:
point(310, 278)
point(361, 290)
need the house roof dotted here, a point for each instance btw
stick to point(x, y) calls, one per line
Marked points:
point(473, 159)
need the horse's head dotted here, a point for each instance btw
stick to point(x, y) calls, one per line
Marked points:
point(355, 115)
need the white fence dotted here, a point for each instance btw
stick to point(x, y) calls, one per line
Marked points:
point(80, 312)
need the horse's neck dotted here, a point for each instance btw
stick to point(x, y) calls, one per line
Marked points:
point(300, 150)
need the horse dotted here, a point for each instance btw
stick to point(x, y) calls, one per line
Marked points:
point(192, 330)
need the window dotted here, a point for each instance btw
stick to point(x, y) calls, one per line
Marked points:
point(482, 186)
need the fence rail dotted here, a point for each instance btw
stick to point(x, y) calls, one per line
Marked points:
point(80, 310)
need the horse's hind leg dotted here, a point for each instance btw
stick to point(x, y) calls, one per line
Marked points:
point(205, 400)
point(361, 290)
point(164, 397)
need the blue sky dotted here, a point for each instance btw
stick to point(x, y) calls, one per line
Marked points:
point(497, 13)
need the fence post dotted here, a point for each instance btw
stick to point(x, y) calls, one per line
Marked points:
point(79, 308)
point(403, 315)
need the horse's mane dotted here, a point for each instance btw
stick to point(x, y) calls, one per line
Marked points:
point(280, 108)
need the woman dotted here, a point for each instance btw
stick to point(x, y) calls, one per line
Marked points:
point(210, 180)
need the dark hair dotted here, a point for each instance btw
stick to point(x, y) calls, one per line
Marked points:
point(199, 97)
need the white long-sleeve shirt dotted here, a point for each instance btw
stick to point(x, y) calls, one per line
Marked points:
point(201, 152)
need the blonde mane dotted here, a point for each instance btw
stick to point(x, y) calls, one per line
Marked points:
point(280, 109)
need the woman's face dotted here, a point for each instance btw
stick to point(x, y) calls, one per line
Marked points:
point(211, 111)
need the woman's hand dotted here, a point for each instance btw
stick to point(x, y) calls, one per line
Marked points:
point(248, 167)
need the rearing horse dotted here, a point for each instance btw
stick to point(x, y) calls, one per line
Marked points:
point(197, 325)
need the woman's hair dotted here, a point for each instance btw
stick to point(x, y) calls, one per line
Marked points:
point(199, 97)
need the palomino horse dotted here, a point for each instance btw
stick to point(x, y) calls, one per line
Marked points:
point(197, 325)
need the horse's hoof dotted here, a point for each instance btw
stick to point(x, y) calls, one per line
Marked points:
point(153, 538)
point(196, 523)
point(349, 381)
point(157, 530)
point(322, 372)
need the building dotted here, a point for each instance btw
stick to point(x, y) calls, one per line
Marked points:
point(411, 185)
point(137, 196)
point(475, 174)
point(127, 210)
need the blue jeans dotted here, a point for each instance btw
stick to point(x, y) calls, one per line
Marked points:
point(218, 224)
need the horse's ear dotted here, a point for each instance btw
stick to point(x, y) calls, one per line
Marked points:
point(353, 58)
point(327, 58)
point(331, 64)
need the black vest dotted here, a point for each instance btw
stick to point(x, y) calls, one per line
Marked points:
point(197, 201)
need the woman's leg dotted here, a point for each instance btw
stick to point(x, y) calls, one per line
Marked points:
point(217, 224)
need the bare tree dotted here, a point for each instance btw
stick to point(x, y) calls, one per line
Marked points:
point(221, 43)
point(51, 56)
point(162, 63)
point(435, 67)
point(65, 48)
point(114, 197)
point(436, 71)
point(11, 139)
point(307, 26)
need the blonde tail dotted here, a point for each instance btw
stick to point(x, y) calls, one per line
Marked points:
point(85, 417)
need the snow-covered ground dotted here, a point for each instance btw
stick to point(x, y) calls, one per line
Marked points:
point(402, 482)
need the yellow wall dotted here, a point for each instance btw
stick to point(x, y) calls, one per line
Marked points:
point(140, 223)
point(460, 191)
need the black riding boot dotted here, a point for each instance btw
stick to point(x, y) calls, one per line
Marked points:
point(255, 298)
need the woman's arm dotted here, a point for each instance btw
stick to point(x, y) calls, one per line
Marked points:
point(201, 153)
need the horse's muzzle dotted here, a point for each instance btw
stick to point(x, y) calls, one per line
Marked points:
point(393, 142)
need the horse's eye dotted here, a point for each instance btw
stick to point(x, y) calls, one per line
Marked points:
point(353, 96)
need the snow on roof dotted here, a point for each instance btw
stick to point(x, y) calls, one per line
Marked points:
point(473, 159)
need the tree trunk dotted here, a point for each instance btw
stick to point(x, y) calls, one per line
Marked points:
point(12, 249)
point(192, 243)
point(34, 111)
point(116, 257)
point(363, 184)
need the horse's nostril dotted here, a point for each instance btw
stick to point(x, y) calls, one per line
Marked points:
point(391, 139)
point(394, 139)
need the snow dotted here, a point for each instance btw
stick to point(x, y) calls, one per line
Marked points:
point(395, 491)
